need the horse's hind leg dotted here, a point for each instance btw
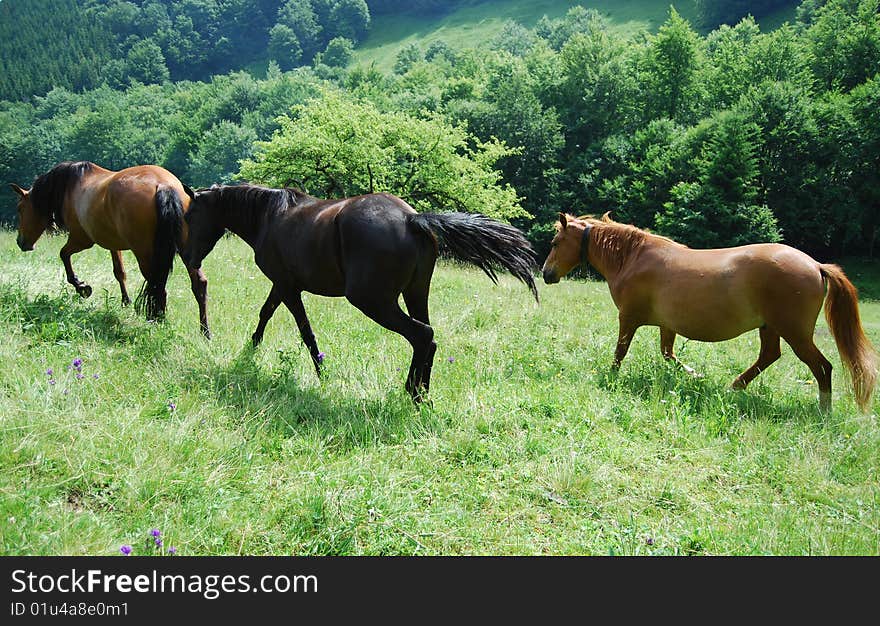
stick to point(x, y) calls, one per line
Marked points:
point(69, 249)
point(119, 273)
point(807, 352)
point(293, 302)
point(386, 312)
point(416, 298)
point(199, 284)
point(769, 354)
point(667, 341)
point(266, 314)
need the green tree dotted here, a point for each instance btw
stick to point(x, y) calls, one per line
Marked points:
point(284, 46)
point(146, 63)
point(220, 152)
point(336, 147)
point(845, 42)
point(671, 70)
point(349, 19)
point(338, 53)
point(718, 209)
point(408, 56)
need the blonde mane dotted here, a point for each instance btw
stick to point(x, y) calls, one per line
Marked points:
point(613, 243)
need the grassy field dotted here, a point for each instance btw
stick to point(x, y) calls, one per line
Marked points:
point(476, 21)
point(530, 446)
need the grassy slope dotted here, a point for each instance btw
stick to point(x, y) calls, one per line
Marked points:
point(477, 22)
point(531, 446)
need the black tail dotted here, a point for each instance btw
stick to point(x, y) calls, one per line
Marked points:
point(480, 240)
point(169, 219)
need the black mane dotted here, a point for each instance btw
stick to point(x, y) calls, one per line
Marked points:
point(47, 192)
point(254, 197)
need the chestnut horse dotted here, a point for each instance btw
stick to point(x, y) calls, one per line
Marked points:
point(370, 249)
point(138, 208)
point(716, 295)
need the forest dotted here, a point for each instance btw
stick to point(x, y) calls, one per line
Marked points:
point(716, 134)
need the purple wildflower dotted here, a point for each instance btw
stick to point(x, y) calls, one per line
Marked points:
point(77, 364)
point(80, 376)
point(451, 359)
point(172, 406)
point(155, 533)
point(649, 540)
point(126, 550)
point(51, 381)
point(321, 356)
point(95, 376)
point(172, 550)
point(50, 371)
point(158, 542)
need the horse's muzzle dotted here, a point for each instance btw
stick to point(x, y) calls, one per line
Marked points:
point(550, 277)
point(24, 247)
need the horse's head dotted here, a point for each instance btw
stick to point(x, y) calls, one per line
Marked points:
point(204, 225)
point(567, 250)
point(31, 223)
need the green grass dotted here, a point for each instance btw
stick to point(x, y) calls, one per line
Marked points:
point(530, 446)
point(476, 22)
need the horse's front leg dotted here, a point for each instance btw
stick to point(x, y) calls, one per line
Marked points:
point(199, 285)
point(293, 301)
point(119, 273)
point(69, 249)
point(667, 342)
point(625, 332)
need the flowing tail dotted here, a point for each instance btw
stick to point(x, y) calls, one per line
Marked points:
point(856, 351)
point(169, 219)
point(480, 240)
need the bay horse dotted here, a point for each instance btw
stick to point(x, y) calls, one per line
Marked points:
point(138, 208)
point(716, 295)
point(370, 249)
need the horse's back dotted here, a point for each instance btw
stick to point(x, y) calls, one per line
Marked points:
point(717, 294)
point(118, 209)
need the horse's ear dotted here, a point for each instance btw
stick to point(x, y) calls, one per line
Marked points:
point(21, 192)
point(563, 220)
point(607, 216)
point(188, 190)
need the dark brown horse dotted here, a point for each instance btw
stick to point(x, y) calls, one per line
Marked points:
point(139, 209)
point(715, 295)
point(370, 249)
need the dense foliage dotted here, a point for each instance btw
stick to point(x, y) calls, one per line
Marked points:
point(733, 136)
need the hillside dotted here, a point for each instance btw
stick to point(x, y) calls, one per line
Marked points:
point(476, 21)
point(81, 44)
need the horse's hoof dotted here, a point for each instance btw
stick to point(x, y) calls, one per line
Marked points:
point(126, 301)
point(84, 290)
point(206, 332)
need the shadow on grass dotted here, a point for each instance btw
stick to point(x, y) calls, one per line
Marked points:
point(712, 399)
point(277, 402)
point(58, 318)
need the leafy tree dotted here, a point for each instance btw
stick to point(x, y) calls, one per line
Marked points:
point(514, 38)
point(220, 152)
point(145, 63)
point(718, 209)
point(336, 147)
point(408, 56)
point(349, 19)
point(284, 46)
point(338, 53)
point(671, 70)
point(845, 42)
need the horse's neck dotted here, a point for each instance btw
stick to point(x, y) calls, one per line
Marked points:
point(611, 250)
point(249, 223)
